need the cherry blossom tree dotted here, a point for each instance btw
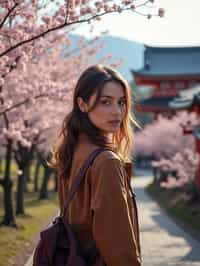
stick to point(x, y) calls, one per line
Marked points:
point(181, 168)
point(164, 137)
point(173, 152)
point(35, 19)
point(26, 28)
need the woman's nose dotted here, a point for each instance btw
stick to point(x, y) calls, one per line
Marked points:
point(116, 109)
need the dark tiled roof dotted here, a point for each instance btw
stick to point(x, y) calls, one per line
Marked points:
point(170, 61)
point(182, 103)
point(160, 102)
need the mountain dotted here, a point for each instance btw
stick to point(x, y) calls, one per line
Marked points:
point(131, 53)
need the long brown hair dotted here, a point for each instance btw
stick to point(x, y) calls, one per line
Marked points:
point(91, 82)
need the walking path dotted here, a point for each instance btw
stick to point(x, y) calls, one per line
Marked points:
point(163, 242)
point(29, 262)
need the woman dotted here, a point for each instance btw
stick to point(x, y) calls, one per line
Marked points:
point(103, 211)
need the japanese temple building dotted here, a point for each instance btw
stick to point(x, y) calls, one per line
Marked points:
point(168, 70)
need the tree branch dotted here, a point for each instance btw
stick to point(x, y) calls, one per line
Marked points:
point(143, 4)
point(67, 12)
point(7, 15)
point(73, 51)
point(21, 103)
point(69, 24)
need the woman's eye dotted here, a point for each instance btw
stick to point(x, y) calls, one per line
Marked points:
point(105, 102)
point(108, 102)
point(122, 103)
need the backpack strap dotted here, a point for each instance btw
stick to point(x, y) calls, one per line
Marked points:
point(79, 177)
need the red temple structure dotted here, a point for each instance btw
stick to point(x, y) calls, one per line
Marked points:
point(168, 70)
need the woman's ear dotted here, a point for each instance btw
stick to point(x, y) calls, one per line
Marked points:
point(82, 105)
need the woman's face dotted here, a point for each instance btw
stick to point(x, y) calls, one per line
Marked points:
point(110, 109)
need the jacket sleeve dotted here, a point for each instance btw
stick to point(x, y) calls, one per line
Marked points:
point(112, 228)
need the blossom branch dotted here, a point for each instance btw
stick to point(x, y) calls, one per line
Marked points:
point(67, 12)
point(66, 23)
point(21, 103)
point(144, 4)
point(7, 15)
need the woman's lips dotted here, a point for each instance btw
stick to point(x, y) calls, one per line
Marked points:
point(114, 122)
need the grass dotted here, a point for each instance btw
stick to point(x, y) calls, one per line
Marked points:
point(37, 215)
point(30, 186)
point(179, 204)
point(12, 240)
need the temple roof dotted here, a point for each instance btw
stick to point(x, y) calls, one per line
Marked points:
point(156, 103)
point(187, 98)
point(190, 92)
point(180, 103)
point(170, 61)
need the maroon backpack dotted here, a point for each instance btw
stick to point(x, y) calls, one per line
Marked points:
point(58, 245)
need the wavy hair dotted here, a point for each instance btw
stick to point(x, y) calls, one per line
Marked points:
point(91, 82)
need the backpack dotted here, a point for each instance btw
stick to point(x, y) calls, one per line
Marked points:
point(58, 245)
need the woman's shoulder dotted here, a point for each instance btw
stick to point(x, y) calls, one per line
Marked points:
point(107, 155)
point(107, 171)
point(106, 160)
point(109, 162)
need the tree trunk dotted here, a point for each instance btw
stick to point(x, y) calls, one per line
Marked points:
point(36, 174)
point(9, 217)
point(23, 157)
point(44, 187)
point(27, 176)
point(28, 172)
point(21, 189)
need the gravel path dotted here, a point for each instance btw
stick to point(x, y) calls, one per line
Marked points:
point(163, 242)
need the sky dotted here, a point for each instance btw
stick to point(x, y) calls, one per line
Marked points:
point(179, 27)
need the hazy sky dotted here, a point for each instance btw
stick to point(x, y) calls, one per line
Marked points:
point(179, 27)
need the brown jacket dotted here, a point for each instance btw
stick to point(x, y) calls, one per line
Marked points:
point(103, 209)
